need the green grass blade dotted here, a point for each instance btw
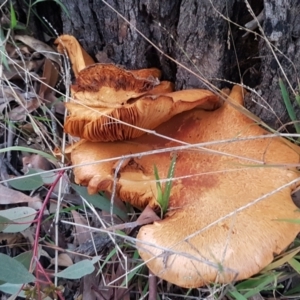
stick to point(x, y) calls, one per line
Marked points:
point(13, 18)
point(158, 186)
point(58, 2)
point(62, 6)
point(298, 99)
point(108, 257)
point(237, 296)
point(288, 105)
point(293, 292)
point(163, 196)
point(267, 283)
point(29, 150)
point(167, 190)
point(3, 59)
point(295, 264)
point(294, 221)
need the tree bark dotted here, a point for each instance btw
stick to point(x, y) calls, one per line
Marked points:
point(282, 31)
point(203, 35)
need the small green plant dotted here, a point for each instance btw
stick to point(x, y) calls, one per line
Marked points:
point(163, 195)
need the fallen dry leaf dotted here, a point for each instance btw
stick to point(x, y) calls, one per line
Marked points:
point(39, 47)
point(19, 69)
point(35, 161)
point(89, 284)
point(64, 260)
point(19, 113)
point(82, 233)
point(11, 239)
point(49, 77)
point(10, 196)
point(147, 216)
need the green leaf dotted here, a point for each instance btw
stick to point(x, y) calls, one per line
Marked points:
point(12, 289)
point(25, 258)
point(79, 269)
point(99, 201)
point(24, 215)
point(47, 178)
point(27, 183)
point(4, 222)
point(13, 271)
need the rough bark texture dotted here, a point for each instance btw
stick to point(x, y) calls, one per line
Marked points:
point(106, 35)
point(199, 35)
point(282, 30)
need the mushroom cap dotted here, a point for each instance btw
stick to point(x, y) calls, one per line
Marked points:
point(101, 124)
point(78, 56)
point(105, 85)
point(213, 231)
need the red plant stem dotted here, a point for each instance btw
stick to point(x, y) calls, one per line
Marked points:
point(39, 267)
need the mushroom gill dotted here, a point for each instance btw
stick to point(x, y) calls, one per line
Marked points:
point(111, 124)
point(227, 200)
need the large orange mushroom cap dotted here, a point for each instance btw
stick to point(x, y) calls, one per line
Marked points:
point(213, 231)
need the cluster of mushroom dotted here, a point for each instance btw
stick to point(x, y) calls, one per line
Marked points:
point(230, 190)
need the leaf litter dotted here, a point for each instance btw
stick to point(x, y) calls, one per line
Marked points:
point(28, 112)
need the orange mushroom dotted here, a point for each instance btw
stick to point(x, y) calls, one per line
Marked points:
point(114, 104)
point(227, 198)
point(109, 103)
